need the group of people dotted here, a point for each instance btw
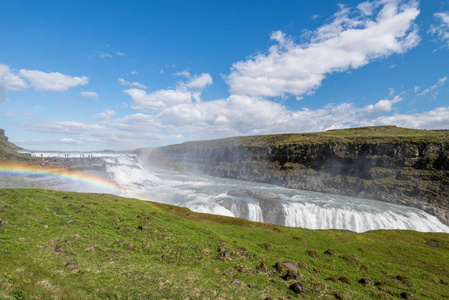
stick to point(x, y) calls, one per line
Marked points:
point(66, 158)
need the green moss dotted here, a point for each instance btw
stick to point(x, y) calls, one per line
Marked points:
point(361, 135)
point(88, 246)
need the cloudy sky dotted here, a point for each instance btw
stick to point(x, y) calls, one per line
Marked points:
point(94, 75)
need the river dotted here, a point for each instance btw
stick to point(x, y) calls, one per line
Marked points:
point(207, 194)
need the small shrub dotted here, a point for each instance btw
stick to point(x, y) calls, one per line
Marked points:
point(332, 278)
point(266, 246)
point(18, 295)
point(303, 266)
point(339, 295)
point(404, 279)
point(313, 253)
point(344, 279)
point(364, 267)
point(351, 258)
point(330, 252)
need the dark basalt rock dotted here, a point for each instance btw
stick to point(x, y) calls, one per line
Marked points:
point(263, 267)
point(272, 209)
point(297, 287)
point(238, 207)
point(365, 281)
point(405, 167)
point(222, 253)
point(287, 270)
point(235, 282)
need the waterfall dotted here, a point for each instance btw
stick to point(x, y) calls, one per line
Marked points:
point(208, 194)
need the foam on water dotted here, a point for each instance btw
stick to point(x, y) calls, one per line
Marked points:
point(255, 212)
point(312, 216)
point(302, 209)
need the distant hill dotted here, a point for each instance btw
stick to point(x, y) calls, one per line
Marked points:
point(8, 150)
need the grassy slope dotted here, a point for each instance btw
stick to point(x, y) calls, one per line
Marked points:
point(9, 155)
point(378, 134)
point(105, 255)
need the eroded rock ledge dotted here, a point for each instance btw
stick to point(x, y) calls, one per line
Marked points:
point(397, 165)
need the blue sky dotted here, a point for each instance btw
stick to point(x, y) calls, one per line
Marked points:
point(94, 75)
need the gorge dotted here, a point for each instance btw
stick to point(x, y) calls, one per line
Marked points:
point(397, 165)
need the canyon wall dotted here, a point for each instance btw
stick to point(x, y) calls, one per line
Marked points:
point(398, 165)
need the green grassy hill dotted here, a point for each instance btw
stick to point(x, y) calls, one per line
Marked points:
point(372, 134)
point(63, 245)
point(10, 155)
point(8, 150)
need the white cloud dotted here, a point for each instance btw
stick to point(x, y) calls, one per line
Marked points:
point(200, 82)
point(10, 114)
point(157, 100)
point(162, 99)
point(244, 115)
point(135, 83)
point(9, 82)
point(381, 107)
point(54, 82)
point(93, 95)
point(434, 119)
point(236, 115)
point(120, 53)
point(434, 88)
point(183, 73)
point(345, 43)
point(107, 114)
point(442, 29)
point(104, 55)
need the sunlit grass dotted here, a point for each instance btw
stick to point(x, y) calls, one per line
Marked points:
point(84, 246)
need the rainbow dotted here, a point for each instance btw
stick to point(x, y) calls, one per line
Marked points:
point(7, 169)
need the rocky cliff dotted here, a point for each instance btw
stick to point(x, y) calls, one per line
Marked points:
point(8, 151)
point(4, 141)
point(398, 165)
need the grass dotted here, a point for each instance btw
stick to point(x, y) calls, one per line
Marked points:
point(375, 134)
point(61, 245)
point(10, 155)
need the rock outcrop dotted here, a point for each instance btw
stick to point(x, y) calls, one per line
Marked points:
point(398, 165)
point(269, 203)
point(4, 141)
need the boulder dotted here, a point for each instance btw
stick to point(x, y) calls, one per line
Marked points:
point(272, 209)
point(235, 282)
point(263, 267)
point(222, 253)
point(297, 287)
point(59, 248)
point(287, 270)
point(238, 207)
point(365, 281)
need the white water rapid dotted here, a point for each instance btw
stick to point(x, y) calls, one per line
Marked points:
point(312, 210)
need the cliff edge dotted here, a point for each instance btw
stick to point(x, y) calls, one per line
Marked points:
point(398, 165)
point(8, 151)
